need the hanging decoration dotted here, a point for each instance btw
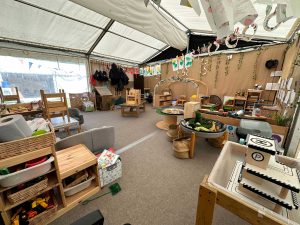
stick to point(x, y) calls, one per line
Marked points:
point(203, 67)
point(227, 62)
point(176, 79)
point(217, 69)
point(158, 69)
point(188, 60)
point(181, 62)
point(152, 70)
point(209, 63)
point(241, 58)
point(141, 71)
point(254, 74)
point(175, 64)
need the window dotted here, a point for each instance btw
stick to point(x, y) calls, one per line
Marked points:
point(32, 75)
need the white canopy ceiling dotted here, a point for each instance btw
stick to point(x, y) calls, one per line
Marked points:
point(135, 36)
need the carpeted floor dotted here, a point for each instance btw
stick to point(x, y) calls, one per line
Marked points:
point(157, 188)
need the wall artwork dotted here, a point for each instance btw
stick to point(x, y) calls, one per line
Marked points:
point(188, 60)
point(181, 62)
point(175, 64)
point(158, 69)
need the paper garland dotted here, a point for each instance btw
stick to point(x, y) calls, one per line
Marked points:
point(151, 70)
point(188, 60)
point(175, 64)
point(181, 62)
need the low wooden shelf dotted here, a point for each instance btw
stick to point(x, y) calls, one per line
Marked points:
point(74, 159)
point(209, 196)
point(66, 162)
point(22, 158)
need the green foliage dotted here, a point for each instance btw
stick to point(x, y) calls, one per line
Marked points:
point(282, 120)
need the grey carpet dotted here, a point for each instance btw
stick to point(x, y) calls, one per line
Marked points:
point(157, 188)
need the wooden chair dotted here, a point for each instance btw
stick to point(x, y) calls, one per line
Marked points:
point(55, 105)
point(5, 98)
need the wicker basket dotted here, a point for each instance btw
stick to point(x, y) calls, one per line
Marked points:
point(44, 217)
point(181, 147)
point(25, 145)
point(28, 192)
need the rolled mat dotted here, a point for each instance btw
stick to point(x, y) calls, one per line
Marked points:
point(13, 127)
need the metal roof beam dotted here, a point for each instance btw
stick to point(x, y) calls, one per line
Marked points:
point(155, 54)
point(79, 21)
point(106, 28)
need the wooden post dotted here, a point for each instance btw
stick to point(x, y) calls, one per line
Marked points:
point(192, 145)
point(206, 204)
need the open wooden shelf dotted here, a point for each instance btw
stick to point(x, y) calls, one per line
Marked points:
point(2, 189)
point(52, 183)
point(84, 194)
point(22, 158)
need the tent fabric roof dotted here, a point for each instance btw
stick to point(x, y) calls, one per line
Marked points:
point(67, 25)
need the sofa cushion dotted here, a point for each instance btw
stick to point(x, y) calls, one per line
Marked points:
point(103, 138)
point(81, 138)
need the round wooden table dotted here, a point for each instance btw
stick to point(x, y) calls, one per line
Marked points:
point(168, 119)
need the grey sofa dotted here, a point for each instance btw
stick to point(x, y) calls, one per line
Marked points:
point(95, 139)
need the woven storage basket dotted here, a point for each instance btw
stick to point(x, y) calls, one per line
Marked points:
point(25, 145)
point(181, 147)
point(44, 217)
point(172, 133)
point(218, 142)
point(28, 192)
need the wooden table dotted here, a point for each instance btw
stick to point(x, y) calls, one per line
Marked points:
point(209, 196)
point(168, 119)
point(62, 123)
point(134, 110)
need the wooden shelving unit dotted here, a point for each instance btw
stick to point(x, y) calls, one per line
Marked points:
point(162, 100)
point(239, 102)
point(252, 97)
point(5, 206)
point(73, 160)
point(66, 162)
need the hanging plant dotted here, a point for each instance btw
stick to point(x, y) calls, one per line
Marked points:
point(254, 74)
point(217, 69)
point(240, 63)
point(227, 66)
point(203, 67)
point(209, 63)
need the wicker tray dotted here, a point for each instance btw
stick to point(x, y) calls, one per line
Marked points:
point(28, 192)
point(25, 145)
point(44, 217)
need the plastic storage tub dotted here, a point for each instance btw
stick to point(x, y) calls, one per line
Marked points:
point(79, 187)
point(27, 174)
point(220, 176)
